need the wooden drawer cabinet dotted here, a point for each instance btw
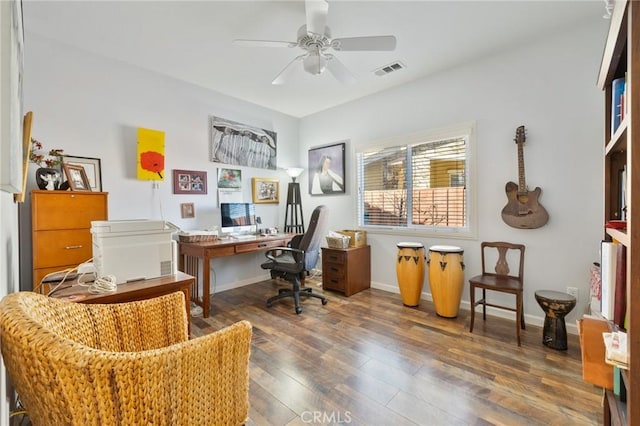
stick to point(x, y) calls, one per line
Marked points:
point(346, 270)
point(61, 229)
point(260, 245)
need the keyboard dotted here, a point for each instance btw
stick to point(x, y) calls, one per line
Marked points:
point(244, 237)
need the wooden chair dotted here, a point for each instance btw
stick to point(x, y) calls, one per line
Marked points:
point(500, 281)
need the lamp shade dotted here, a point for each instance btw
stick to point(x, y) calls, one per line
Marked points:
point(315, 62)
point(294, 172)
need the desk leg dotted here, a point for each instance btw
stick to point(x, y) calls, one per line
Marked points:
point(206, 297)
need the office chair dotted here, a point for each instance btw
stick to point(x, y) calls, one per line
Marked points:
point(122, 363)
point(293, 262)
point(500, 281)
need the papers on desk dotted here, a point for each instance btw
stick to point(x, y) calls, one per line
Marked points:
point(616, 348)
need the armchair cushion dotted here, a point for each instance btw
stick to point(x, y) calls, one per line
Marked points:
point(129, 363)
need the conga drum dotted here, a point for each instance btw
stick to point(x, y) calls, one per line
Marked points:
point(410, 272)
point(446, 279)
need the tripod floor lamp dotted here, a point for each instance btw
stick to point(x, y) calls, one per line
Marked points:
point(293, 219)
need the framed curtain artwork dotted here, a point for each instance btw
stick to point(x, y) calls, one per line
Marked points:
point(242, 145)
point(326, 169)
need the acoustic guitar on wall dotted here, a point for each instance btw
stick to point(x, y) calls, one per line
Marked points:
point(523, 209)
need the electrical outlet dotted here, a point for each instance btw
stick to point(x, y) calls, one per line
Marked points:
point(573, 291)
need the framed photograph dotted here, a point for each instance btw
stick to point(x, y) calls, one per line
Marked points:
point(326, 169)
point(91, 168)
point(77, 177)
point(187, 211)
point(189, 182)
point(266, 191)
point(11, 101)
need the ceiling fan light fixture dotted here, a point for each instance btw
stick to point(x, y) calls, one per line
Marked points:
point(315, 63)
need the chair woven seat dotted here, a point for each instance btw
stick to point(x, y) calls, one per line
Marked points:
point(122, 364)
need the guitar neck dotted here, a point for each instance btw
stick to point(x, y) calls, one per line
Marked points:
point(522, 184)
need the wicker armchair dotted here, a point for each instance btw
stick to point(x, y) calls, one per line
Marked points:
point(122, 364)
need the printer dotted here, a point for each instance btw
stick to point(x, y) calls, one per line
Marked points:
point(134, 250)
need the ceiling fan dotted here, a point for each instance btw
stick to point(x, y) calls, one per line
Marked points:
point(314, 38)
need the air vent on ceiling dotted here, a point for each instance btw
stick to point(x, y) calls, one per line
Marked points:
point(388, 69)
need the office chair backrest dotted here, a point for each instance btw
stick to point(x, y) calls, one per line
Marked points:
point(311, 240)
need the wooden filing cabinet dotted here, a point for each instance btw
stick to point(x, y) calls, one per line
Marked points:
point(61, 229)
point(346, 270)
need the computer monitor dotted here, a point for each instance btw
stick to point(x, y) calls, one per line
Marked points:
point(238, 218)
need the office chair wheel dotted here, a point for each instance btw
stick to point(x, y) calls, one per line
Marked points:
point(298, 310)
point(324, 301)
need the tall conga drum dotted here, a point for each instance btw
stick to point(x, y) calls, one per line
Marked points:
point(446, 279)
point(410, 272)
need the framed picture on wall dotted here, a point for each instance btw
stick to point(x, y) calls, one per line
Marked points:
point(327, 169)
point(11, 102)
point(189, 182)
point(187, 211)
point(266, 191)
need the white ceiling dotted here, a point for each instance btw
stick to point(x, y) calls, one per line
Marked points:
point(192, 40)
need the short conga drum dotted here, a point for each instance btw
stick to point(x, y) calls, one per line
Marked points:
point(446, 279)
point(410, 272)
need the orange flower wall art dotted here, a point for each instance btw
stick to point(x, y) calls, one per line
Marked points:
point(150, 154)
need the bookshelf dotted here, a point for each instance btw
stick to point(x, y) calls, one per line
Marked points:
point(621, 59)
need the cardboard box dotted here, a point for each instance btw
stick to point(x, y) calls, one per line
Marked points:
point(358, 238)
point(594, 369)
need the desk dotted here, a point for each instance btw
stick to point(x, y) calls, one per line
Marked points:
point(129, 292)
point(189, 253)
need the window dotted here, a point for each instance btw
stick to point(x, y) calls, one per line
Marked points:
point(417, 182)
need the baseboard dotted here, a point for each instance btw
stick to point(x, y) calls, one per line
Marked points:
point(529, 319)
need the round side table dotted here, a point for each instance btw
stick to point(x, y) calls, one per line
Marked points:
point(556, 305)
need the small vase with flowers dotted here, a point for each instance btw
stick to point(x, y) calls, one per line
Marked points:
point(48, 174)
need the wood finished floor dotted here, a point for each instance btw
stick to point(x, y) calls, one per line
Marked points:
point(368, 360)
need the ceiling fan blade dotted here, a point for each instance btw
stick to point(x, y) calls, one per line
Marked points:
point(339, 71)
point(316, 11)
point(365, 43)
point(264, 43)
point(287, 71)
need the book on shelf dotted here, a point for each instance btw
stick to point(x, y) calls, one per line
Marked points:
point(620, 294)
point(608, 276)
point(595, 288)
point(617, 97)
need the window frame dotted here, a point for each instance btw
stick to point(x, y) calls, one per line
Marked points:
point(466, 130)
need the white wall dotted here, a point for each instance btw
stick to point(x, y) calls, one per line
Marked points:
point(550, 87)
point(91, 106)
